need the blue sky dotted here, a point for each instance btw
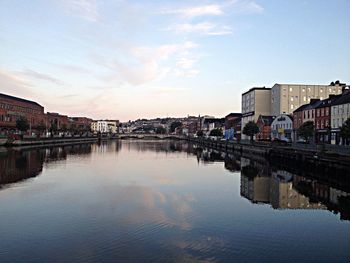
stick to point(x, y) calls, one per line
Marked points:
point(131, 59)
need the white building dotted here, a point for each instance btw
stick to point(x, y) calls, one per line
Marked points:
point(340, 112)
point(255, 102)
point(285, 98)
point(282, 127)
point(105, 126)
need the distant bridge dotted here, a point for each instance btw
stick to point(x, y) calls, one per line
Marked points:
point(148, 136)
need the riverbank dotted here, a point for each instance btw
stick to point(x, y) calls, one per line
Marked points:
point(51, 141)
point(316, 154)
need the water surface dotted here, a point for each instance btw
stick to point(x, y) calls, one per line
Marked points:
point(163, 201)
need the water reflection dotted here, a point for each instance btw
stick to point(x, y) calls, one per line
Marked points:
point(165, 201)
point(262, 183)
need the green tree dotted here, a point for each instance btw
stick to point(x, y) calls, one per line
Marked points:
point(345, 130)
point(216, 132)
point(306, 130)
point(250, 129)
point(174, 125)
point(160, 130)
point(22, 124)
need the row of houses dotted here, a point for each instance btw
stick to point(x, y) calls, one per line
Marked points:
point(281, 110)
point(13, 108)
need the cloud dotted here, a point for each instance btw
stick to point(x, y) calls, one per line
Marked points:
point(40, 76)
point(185, 63)
point(86, 9)
point(14, 85)
point(238, 6)
point(244, 6)
point(138, 65)
point(204, 10)
point(204, 28)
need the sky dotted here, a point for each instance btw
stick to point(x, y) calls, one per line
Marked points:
point(142, 59)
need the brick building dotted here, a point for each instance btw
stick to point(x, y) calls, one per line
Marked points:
point(264, 124)
point(12, 108)
point(60, 122)
point(80, 123)
point(323, 119)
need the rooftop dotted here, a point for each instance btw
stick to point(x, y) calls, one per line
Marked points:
point(256, 88)
point(19, 99)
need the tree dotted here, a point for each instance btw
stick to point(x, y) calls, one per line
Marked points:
point(174, 125)
point(250, 129)
point(41, 127)
point(345, 130)
point(306, 130)
point(216, 132)
point(53, 128)
point(200, 133)
point(22, 124)
point(160, 130)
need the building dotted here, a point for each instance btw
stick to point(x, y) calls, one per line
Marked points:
point(234, 121)
point(105, 126)
point(323, 119)
point(209, 124)
point(80, 123)
point(340, 112)
point(303, 114)
point(282, 127)
point(286, 98)
point(255, 102)
point(12, 108)
point(56, 121)
point(264, 123)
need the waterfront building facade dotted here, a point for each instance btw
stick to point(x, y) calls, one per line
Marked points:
point(286, 98)
point(57, 121)
point(340, 112)
point(323, 119)
point(80, 123)
point(233, 121)
point(105, 126)
point(12, 108)
point(264, 123)
point(255, 102)
point(282, 127)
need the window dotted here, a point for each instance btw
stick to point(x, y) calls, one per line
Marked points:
point(292, 107)
point(304, 98)
point(290, 89)
point(292, 98)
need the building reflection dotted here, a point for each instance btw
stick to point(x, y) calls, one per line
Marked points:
point(17, 165)
point(261, 183)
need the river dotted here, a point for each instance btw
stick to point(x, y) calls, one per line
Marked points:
point(166, 201)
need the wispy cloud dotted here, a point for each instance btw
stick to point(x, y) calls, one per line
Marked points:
point(14, 85)
point(196, 11)
point(86, 9)
point(244, 6)
point(139, 65)
point(203, 28)
point(40, 76)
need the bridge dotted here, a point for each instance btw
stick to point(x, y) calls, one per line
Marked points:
point(148, 136)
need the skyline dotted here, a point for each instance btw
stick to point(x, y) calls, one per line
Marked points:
point(139, 59)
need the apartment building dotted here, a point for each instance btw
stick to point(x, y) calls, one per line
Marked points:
point(286, 98)
point(255, 102)
point(105, 126)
